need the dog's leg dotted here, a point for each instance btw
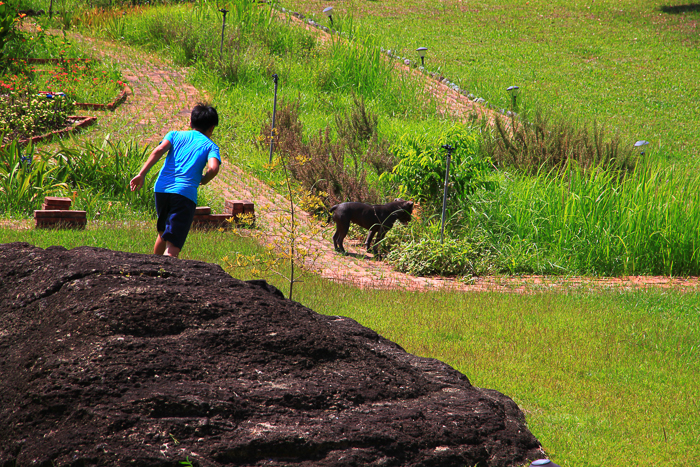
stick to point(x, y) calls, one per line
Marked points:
point(340, 232)
point(370, 235)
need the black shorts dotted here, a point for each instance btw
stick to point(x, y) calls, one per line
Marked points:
point(175, 215)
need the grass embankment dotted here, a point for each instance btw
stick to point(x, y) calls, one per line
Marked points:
point(605, 378)
point(630, 64)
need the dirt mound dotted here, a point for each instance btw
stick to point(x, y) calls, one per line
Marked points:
point(112, 358)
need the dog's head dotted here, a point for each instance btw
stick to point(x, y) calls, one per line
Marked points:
point(404, 209)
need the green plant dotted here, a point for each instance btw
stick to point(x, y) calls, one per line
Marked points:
point(420, 171)
point(430, 256)
point(108, 167)
point(593, 222)
point(25, 113)
point(290, 251)
point(7, 21)
point(26, 178)
point(543, 143)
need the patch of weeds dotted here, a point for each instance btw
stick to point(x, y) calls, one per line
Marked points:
point(544, 143)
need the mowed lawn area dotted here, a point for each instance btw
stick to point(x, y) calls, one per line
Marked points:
point(632, 65)
point(605, 377)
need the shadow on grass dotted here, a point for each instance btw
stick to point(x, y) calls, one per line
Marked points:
point(678, 9)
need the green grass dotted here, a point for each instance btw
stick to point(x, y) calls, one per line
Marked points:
point(591, 223)
point(630, 64)
point(604, 377)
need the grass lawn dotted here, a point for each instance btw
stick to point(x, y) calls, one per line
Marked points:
point(630, 64)
point(605, 377)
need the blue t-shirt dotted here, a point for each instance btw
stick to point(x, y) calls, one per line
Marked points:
point(184, 163)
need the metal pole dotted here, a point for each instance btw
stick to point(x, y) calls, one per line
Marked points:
point(223, 26)
point(444, 195)
point(274, 111)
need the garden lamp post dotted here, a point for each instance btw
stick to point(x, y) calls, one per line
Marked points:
point(275, 78)
point(421, 51)
point(640, 145)
point(449, 150)
point(513, 91)
point(223, 25)
point(329, 12)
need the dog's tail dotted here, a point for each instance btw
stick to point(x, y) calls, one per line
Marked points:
point(330, 213)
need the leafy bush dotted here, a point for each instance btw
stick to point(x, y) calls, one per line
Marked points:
point(25, 113)
point(416, 248)
point(429, 256)
point(420, 171)
point(7, 21)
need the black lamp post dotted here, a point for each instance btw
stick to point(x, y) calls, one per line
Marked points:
point(421, 51)
point(223, 25)
point(640, 145)
point(513, 91)
point(329, 12)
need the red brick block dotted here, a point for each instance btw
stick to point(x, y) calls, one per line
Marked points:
point(202, 211)
point(59, 214)
point(248, 207)
point(60, 223)
point(51, 202)
point(233, 206)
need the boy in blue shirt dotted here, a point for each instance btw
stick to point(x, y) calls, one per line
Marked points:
point(189, 152)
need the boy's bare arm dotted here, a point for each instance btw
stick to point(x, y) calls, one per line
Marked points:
point(138, 181)
point(212, 170)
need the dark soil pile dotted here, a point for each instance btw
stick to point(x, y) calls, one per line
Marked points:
point(112, 358)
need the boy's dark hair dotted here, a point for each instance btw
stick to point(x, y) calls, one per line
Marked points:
point(203, 117)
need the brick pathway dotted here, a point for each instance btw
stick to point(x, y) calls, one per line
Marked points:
point(160, 100)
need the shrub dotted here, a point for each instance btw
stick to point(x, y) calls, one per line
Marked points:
point(416, 248)
point(429, 256)
point(25, 113)
point(336, 170)
point(7, 21)
point(420, 171)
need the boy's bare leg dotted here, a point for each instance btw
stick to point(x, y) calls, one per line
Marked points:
point(171, 250)
point(159, 247)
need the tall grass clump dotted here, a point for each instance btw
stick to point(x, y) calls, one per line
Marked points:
point(95, 176)
point(105, 170)
point(337, 166)
point(26, 177)
point(545, 143)
point(593, 222)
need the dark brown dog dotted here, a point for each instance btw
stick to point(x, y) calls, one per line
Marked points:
point(377, 218)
